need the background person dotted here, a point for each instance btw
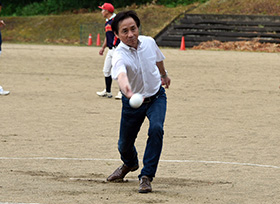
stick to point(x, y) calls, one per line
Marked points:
point(138, 67)
point(111, 42)
point(2, 24)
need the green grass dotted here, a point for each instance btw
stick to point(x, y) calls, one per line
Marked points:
point(65, 29)
point(241, 7)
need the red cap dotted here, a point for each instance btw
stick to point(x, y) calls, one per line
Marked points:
point(107, 6)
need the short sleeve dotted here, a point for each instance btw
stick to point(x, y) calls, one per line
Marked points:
point(118, 66)
point(159, 56)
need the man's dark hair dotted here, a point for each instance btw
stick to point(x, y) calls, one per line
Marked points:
point(124, 15)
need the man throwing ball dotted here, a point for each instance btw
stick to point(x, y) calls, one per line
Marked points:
point(138, 67)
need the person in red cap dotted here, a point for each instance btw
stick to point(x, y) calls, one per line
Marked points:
point(2, 24)
point(111, 41)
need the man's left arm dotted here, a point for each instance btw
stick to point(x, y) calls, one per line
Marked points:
point(165, 80)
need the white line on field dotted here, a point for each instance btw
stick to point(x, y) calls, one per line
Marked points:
point(17, 203)
point(168, 161)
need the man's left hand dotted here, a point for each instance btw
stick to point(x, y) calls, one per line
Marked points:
point(165, 81)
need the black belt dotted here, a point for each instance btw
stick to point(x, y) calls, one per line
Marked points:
point(151, 98)
point(110, 48)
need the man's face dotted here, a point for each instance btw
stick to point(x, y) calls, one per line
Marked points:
point(105, 13)
point(128, 32)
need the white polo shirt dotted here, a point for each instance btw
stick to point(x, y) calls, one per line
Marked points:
point(139, 65)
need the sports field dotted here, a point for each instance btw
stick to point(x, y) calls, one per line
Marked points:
point(58, 139)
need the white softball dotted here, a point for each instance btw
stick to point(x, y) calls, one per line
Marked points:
point(136, 100)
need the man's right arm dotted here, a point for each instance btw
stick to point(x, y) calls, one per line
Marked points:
point(124, 85)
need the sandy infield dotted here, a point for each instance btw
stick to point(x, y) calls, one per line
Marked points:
point(58, 139)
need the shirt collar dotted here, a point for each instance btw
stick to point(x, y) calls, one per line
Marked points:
point(128, 47)
point(113, 16)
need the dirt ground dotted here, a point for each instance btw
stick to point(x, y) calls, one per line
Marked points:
point(58, 139)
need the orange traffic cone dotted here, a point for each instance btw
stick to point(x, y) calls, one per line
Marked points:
point(98, 40)
point(183, 43)
point(89, 40)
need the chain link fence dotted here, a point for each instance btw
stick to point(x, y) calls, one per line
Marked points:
point(93, 29)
